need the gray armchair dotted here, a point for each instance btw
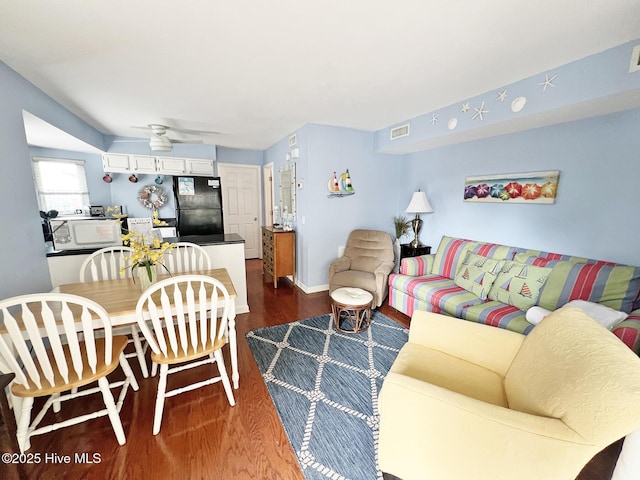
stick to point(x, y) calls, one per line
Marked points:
point(366, 263)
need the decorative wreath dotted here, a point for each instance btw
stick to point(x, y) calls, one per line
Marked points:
point(146, 197)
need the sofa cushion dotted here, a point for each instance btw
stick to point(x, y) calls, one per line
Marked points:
point(450, 254)
point(476, 274)
point(519, 284)
point(440, 292)
point(616, 286)
point(525, 256)
point(497, 314)
point(495, 251)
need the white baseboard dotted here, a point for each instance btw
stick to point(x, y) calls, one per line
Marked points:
point(314, 289)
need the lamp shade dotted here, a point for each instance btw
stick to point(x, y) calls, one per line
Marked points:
point(419, 203)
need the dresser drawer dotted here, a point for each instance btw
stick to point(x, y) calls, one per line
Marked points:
point(278, 253)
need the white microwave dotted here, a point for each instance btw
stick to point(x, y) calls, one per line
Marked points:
point(78, 234)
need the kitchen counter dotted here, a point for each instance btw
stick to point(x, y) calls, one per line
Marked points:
point(203, 240)
point(225, 251)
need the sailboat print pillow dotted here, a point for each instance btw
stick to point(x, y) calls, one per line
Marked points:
point(519, 284)
point(476, 274)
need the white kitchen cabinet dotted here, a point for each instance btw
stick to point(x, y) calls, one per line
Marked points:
point(142, 164)
point(171, 166)
point(115, 163)
point(200, 167)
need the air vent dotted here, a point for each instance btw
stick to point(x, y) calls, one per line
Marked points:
point(401, 131)
point(634, 65)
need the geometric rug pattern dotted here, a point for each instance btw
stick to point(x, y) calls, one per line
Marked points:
point(324, 385)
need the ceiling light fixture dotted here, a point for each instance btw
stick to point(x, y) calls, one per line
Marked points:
point(160, 143)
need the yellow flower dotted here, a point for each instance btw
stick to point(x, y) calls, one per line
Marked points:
point(156, 220)
point(145, 251)
point(117, 213)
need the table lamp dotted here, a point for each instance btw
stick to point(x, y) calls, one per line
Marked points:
point(418, 204)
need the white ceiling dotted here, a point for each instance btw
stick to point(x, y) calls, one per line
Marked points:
point(257, 70)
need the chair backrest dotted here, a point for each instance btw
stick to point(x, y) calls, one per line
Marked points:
point(571, 368)
point(56, 322)
point(106, 264)
point(183, 312)
point(186, 257)
point(367, 249)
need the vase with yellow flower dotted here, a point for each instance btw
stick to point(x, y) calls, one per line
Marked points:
point(146, 257)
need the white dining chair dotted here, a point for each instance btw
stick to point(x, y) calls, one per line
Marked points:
point(186, 257)
point(48, 342)
point(174, 317)
point(106, 264)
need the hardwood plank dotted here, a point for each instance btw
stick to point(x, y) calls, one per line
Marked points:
point(201, 436)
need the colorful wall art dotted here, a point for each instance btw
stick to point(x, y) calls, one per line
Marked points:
point(533, 187)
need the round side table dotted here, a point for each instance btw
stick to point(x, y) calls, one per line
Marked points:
point(351, 307)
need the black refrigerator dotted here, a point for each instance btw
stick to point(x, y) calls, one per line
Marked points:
point(198, 205)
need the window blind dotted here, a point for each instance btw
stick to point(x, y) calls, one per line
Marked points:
point(61, 184)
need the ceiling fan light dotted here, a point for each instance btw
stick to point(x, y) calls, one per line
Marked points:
point(159, 143)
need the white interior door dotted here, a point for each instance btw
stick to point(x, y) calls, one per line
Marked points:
point(241, 201)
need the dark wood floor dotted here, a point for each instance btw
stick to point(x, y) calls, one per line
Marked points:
point(201, 435)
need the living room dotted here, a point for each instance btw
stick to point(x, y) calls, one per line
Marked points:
point(595, 157)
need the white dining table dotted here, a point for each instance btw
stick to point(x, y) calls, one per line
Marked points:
point(120, 297)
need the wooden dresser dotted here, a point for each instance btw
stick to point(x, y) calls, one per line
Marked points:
point(279, 253)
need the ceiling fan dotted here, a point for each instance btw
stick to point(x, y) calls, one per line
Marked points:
point(159, 141)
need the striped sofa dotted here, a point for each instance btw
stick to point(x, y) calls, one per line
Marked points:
point(427, 283)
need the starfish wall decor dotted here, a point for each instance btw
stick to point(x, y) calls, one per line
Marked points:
point(547, 82)
point(479, 112)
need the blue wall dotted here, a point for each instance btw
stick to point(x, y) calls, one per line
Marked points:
point(24, 268)
point(594, 213)
point(239, 156)
point(322, 223)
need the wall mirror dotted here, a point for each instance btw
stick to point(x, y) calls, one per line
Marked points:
point(288, 190)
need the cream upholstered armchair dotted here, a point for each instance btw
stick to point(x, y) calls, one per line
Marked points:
point(366, 264)
point(465, 400)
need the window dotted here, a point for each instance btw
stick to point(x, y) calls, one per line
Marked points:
point(61, 184)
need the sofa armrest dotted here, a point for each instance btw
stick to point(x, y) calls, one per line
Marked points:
point(491, 347)
point(339, 265)
point(629, 331)
point(417, 266)
point(420, 422)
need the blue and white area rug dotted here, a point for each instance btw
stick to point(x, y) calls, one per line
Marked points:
point(325, 386)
